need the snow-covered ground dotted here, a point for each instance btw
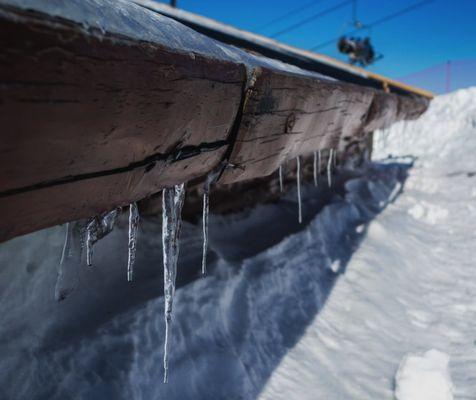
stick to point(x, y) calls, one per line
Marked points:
point(374, 297)
point(411, 286)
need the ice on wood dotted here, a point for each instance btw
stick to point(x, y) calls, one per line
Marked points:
point(132, 244)
point(96, 228)
point(319, 159)
point(314, 170)
point(329, 167)
point(281, 178)
point(298, 178)
point(67, 278)
point(211, 178)
point(206, 208)
point(172, 203)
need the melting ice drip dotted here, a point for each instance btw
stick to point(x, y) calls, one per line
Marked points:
point(206, 209)
point(60, 294)
point(132, 244)
point(212, 177)
point(68, 269)
point(314, 170)
point(281, 178)
point(329, 168)
point(298, 178)
point(319, 159)
point(172, 203)
point(96, 228)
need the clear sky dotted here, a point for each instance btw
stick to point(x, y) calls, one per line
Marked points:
point(438, 31)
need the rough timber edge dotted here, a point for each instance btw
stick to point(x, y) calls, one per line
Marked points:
point(194, 43)
point(250, 40)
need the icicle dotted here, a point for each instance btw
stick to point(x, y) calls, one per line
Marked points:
point(68, 273)
point(298, 178)
point(281, 178)
point(315, 169)
point(96, 229)
point(172, 203)
point(212, 177)
point(90, 236)
point(132, 244)
point(329, 167)
point(319, 159)
point(206, 208)
point(64, 255)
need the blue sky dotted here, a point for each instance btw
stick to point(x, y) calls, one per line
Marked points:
point(430, 35)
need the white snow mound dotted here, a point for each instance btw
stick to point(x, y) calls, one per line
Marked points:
point(424, 377)
point(443, 137)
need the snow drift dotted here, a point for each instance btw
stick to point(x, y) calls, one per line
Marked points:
point(380, 270)
point(424, 377)
point(410, 287)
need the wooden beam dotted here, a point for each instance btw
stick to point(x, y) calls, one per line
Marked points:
point(308, 60)
point(285, 116)
point(98, 115)
point(89, 117)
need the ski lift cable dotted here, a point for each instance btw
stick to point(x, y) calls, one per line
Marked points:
point(354, 13)
point(311, 18)
point(377, 22)
point(288, 14)
point(354, 22)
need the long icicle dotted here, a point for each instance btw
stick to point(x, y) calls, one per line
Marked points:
point(315, 169)
point(319, 161)
point(64, 256)
point(211, 179)
point(206, 209)
point(68, 268)
point(329, 168)
point(298, 178)
point(91, 228)
point(132, 243)
point(281, 178)
point(172, 203)
point(98, 227)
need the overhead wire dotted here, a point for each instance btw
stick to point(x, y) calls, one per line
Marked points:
point(288, 14)
point(311, 18)
point(376, 22)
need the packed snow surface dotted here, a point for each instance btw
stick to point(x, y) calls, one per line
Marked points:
point(374, 292)
point(424, 377)
point(411, 286)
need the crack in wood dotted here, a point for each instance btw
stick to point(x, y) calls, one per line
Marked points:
point(147, 164)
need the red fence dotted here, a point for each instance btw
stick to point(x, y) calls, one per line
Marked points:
point(445, 77)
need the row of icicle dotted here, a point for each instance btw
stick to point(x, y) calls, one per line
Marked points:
point(316, 172)
point(172, 202)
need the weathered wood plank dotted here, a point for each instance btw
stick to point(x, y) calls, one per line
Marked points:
point(32, 210)
point(268, 47)
point(287, 115)
point(93, 118)
point(74, 103)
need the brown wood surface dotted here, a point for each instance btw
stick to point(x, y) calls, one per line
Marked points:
point(287, 115)
point(32, 210)
point(73, 104)
point(90, 120)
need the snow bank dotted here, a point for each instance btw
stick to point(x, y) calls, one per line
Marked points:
point(424, 377)
point(410, 285)
point(323, 310)
point(230, 328)
point(444, 137)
